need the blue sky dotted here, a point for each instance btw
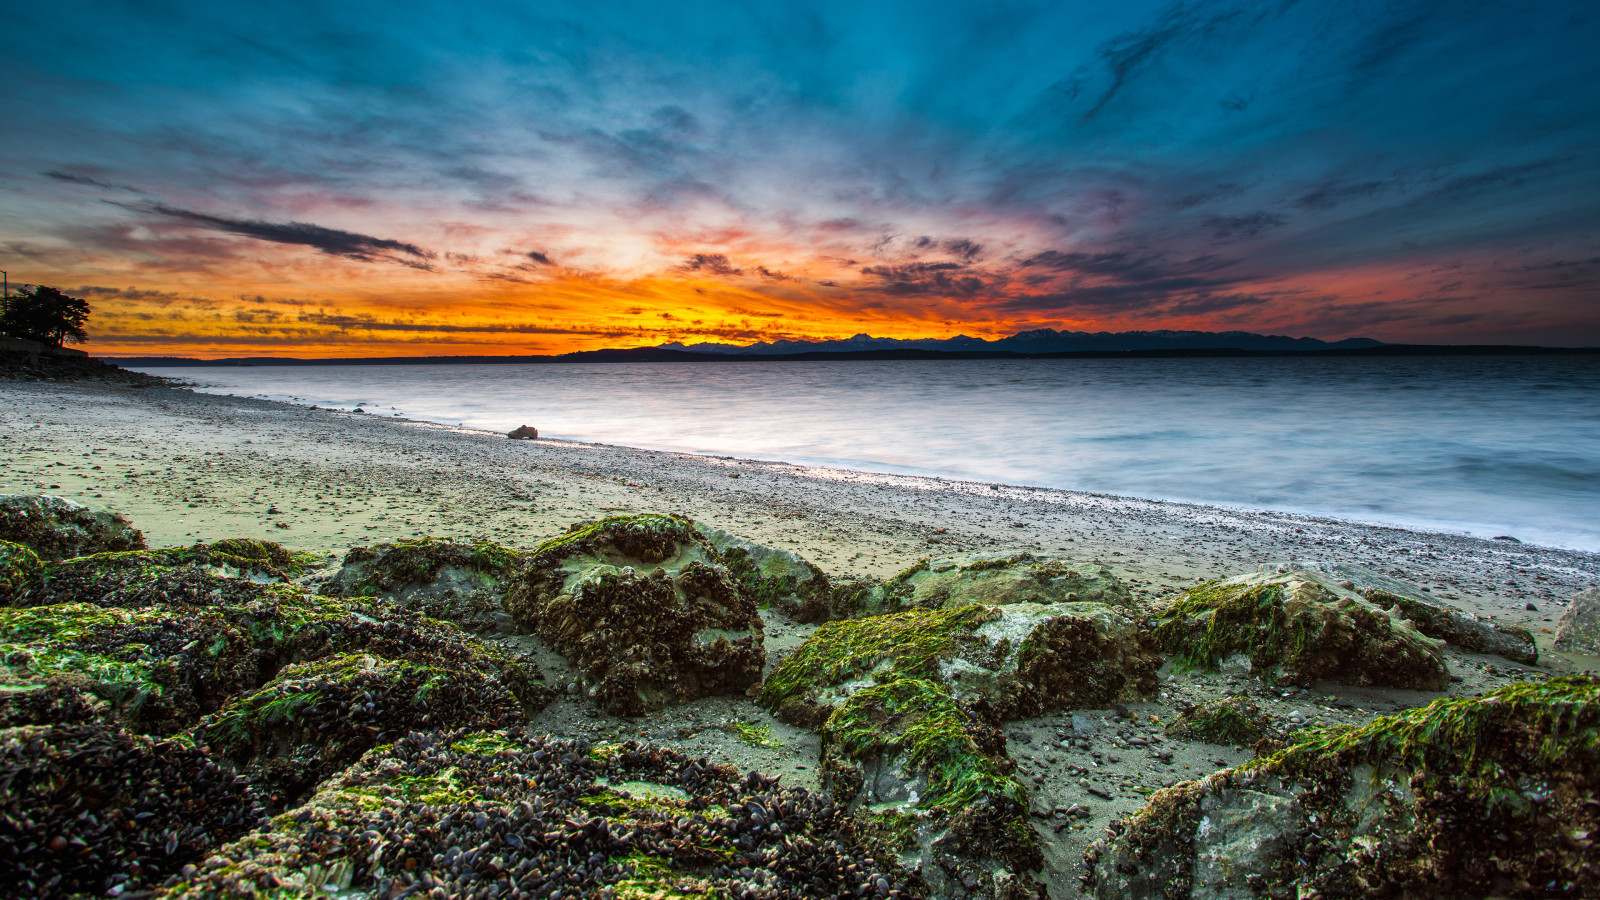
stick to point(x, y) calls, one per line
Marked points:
point(547, 176)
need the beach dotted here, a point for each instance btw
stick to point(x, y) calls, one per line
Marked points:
point(186, 467)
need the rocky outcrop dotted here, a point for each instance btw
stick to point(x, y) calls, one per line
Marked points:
point(644, 607)
point(999, 580)
point(931, 789)
point(1478, 797)
point(316, 718)
point(1578, 631)
point(776, 578)
point(1433, 618)
point(458, 581)
point(541, 818)
point(1024, 659)
point(57, 528)
point(18, 566)
point(90, 810)
point(203, 575)
point(1293, 627)
point(523, 433)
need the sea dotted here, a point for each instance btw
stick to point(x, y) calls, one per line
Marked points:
point(1489, 446)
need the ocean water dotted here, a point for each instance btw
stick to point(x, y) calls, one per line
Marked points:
point(1481, 445)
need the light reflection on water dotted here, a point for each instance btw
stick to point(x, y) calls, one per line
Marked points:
point(1487, 445)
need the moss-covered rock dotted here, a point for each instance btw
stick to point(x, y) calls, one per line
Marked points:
point(57, 528)
point(460, 581)
point(316, 718)
point(202, 575)
point(1235, 721)
point(855, 598)
point(506, 813)
point(1294, 628)
point(1471, 633)
point(1024, 659)
point(930, 784)
point(776, 578)
point(1477, 797)
point(88, 809)
point(160, 667)
point(18, 566)
point(999, 580)
point(643, 606)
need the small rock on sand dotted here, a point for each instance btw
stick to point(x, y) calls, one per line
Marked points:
point(1578, 631)
point(524, 433)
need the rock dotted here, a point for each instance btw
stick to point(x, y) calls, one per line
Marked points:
point(996, 580)
point(645, 608)
point(1234, 721)
point(857, 597)
point(86, 806)
point(776, 577)
point(57, 528)
point(18, 566)
point(1469, 632)
point(1476, 797)
point(1082, 726)
point(314, 719)
point(459, 581)
point(460, 814)
point(1431, 617)
point(524, 433)
point(1296, 627)
point(202, 575)
point(930, 783)
point(1578, 629)
point(1020, 660)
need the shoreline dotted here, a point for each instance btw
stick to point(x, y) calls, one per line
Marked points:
point(183, 463)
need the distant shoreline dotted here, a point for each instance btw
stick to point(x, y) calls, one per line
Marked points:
point(658, 355)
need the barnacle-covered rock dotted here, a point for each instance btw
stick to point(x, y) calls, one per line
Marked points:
point(463, 814)
point(18, 566)
point(460, 581)
point(1477, 797)
point(58, 528)
point(316, 718)
point(999, 580)
point(1296, 628)
point(160, 667)
point(931, 789)
point(1024, 659)
point(1235, 721)
point(774, 577)
point(89, 809)
point(645, 608)
point(201, 575)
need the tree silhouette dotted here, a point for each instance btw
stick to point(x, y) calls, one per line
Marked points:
point(44, 314)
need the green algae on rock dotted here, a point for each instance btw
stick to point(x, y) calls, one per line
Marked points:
point(776, 578)
point(161, 667)
point(644, 607)
point(18, 566)
point(1021, 660)
point(999, 580)
point(1235, 721)
point(930, 786)
point(460, 581)
point(203, 575)
point(1477, 797)
point(57, 528)
point(316, 718)
point(1471, 633)
point(1294, 628)
point(89, 809)
point(511, 814)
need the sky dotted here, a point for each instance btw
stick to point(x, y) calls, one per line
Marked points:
point(397, 179)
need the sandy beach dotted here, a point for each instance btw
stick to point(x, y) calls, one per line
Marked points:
point(186, 466)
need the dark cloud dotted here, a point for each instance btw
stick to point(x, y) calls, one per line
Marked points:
point(539, 258)
point(72, 178)
point(331, 241)
point(710, 263)
point(1244, 227)
point(943, 278)
point(1126, 54)
point(372, 323)
point(1331, 195)
point(773, 275)
point(963, 248)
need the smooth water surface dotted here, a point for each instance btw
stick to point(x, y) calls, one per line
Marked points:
point(1484, 445)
